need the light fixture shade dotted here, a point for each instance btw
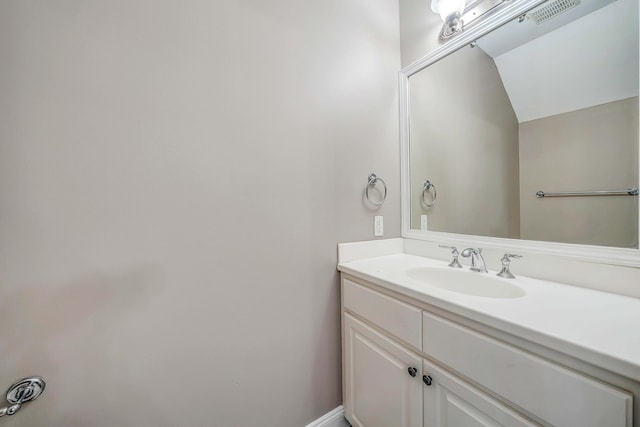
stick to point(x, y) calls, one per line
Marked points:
point(447, 8)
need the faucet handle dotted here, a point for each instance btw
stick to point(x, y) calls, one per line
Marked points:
point(506, 260)
point(454, 252)
point(453, 248)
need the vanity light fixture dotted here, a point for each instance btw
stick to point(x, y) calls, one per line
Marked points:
point(451, 13)
point(458, 15)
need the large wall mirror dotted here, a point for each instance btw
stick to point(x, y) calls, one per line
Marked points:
point(544, 104)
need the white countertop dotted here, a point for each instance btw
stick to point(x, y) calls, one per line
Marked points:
point(593, 326)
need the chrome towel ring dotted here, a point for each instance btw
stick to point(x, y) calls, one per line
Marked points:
point(371, 182)
point(428, 185)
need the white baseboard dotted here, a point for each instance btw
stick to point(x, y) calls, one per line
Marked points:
point(334, 418)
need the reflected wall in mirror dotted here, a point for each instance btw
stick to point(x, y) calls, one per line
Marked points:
point(544, 103)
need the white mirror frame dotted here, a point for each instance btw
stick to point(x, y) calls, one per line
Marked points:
point(599, 254)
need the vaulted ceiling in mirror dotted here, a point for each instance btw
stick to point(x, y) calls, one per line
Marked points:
point(573, 54)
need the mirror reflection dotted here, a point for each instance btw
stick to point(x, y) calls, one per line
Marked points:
point(546, 103)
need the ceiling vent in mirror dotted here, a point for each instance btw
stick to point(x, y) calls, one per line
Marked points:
point(550, 10)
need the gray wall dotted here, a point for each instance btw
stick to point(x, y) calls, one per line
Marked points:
point(174, 179)
point(600, 144)
point(464, 139)
point(419, 30)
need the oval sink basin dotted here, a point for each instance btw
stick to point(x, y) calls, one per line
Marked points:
point(467, 282)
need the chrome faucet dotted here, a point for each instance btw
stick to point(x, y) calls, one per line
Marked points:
point(477, 262)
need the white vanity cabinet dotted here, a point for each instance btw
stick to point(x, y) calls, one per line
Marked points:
point(452, 402)
point(382, 379)
point(407, 366)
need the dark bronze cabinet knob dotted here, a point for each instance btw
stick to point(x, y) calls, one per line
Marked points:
point(412, 371)
point(427, 379)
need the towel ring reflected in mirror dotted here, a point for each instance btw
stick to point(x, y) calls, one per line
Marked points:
point(371, 182)
point(428, 187)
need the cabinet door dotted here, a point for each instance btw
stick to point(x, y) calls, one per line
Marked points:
point(451, 402)
point(379, 386)
point(550, 392)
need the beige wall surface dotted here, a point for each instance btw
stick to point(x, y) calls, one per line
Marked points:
point(464, 139)
point(593, 148)
point(419, 30)
point(174, 179)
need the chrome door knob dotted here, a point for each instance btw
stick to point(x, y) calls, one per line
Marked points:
point(23, 391)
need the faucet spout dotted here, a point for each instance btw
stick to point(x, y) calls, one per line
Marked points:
point(477, 261)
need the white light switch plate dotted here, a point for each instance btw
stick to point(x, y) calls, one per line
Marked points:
point(423, 222)
point(378, 226)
